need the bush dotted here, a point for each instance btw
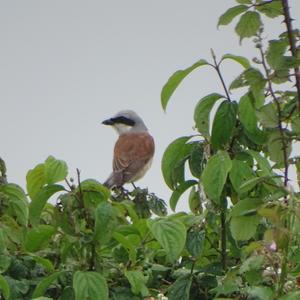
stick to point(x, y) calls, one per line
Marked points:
point(240, 239)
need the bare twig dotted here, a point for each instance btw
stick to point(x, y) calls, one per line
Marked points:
point(217, 68)
point(3, 178)
point(284, 266)
point(279, 113)
point(69, 184)
point(79, 183)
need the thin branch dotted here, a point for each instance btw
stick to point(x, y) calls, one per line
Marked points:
point(193, 266)
point(69, 185)
point(86, 216)
point(79, 182)
point(217, 68)
point(292, 42)
point(3, 178)
point(279, 112)
point(223, 239)
point(284, 262)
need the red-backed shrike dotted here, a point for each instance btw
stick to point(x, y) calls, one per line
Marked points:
point(133, 150)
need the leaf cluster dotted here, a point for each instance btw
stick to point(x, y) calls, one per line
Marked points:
point(240, 239)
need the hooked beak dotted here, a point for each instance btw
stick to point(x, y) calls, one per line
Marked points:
point(108, 122)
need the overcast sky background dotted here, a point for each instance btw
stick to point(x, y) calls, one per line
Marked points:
point(66, 65)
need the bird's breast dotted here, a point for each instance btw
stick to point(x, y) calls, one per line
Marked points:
point(143, 171)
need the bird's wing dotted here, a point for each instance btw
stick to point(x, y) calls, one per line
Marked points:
point(132, 148)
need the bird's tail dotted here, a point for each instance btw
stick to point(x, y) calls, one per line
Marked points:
point(109, 183)
point(114, 180)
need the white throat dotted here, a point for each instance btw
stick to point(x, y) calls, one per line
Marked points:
point(122, 128)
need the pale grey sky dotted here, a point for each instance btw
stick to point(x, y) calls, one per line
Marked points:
point(65, 65)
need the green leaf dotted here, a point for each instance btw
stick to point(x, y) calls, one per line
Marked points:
point(261, 293)
point(227, 287)
point(271, 9)
point(240, 173)
point(275, 53)
point(55, 170)
point(257, 83)
point(295, 124)
point(238, 82)
point(248, 119)
point(105, 222)
point(157, 205)
point(196, 159)
point(130, 208)
point(231, 13)
point(18, 204)
point(175, 80)
point(137, 282)
point(252, 77)
point(202, 113)
point(179, 191)
point(223, 124)
point(252, 183)
point(2, 241)
point(127, 245)
point(42, 286)
point(243, 61)
point(245, 207)
point(37, 237)
point(4, 287)
point(291, 296)
point(275, 147)
point(46, 263)
point(170, 234)
point(280, 76)
point(14, 191)
point(90, 285)
point(92, 185)
point(244, 227)
point(173, 161)
point(215, 174)
point(195, 240)
point(273, 215)
point(267, 116)
point(279, 62)
point(262, 162)
point(39, 200)
point(35, 179)
point(253, 263)
point(180, 289)
point(123, 293)
point(195, 201)
point(19, 209)
point(93, 193)
point(5, 262)
point(67, 293)
point(248, 24)
point(12, 230)
point(246, 114)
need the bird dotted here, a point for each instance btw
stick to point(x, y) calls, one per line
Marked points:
point(133, 151)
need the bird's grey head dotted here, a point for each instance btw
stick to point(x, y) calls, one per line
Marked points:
point(126, 121)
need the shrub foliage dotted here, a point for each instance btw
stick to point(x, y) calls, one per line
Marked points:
point(240, 239)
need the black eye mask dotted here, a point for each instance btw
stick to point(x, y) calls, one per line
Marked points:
point(123, 120)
